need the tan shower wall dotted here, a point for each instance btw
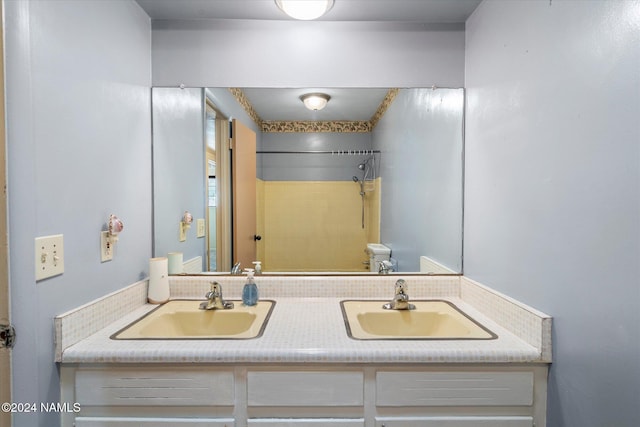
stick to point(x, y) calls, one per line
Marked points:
point(372, 210)
point(316, 225)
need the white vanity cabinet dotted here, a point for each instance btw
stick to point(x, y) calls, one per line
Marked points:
point(306, 395)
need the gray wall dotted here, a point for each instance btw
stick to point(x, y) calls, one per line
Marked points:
point(237, 53)
point(178, 169)
point(420, 138)
point(79, 148)
point(552, 197)
point(313, 167)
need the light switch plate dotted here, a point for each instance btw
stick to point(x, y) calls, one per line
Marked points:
point(201, 227)
point(49, 256)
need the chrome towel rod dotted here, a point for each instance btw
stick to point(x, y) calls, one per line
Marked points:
point(333, 152)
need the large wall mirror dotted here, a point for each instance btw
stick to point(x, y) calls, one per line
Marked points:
point(376, 175)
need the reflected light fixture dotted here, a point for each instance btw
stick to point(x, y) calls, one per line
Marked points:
point(315, 101)
point(305, 9)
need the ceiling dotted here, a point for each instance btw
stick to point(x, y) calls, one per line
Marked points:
point(426, 11)
point(345, 104)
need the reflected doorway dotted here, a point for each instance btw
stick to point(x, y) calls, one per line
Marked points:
point(211, 213)
point(218, 205)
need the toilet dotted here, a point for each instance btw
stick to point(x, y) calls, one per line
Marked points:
point(377, 253)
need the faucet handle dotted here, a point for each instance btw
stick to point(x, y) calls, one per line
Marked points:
point(385, 267)
point(214, 297)
point(236, 269)
point(216, 290)
point(401, 286)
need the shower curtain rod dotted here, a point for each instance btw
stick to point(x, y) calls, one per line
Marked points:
point(333, 152)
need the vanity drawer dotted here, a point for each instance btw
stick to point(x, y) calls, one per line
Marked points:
point(307, 422)
point(151, 422)
point(305, 388)
point(454, 388)
point(154, 387)
point(454, 421)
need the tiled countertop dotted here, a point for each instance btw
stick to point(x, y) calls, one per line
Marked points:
point(301, 330)
point(312, 330)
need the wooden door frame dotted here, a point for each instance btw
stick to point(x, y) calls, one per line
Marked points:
point(223, 180)
point(5, 302)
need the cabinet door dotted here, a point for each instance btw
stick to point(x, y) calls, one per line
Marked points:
point(149, 422)
point(454, 421)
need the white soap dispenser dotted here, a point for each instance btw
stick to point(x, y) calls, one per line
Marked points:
point(257, 265)
point(250, 290)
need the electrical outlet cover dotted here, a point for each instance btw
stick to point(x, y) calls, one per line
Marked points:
point(183, 232)
point(49, 256)
point(106, 247)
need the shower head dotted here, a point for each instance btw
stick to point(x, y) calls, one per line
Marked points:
point(361, 166)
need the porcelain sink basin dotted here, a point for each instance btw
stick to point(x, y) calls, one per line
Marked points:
point(431, 320)
point(183, 319)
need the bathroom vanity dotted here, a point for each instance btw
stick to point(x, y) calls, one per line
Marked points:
point(304, 370)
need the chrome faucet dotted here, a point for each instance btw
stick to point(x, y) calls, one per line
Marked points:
point(401, 300)
point(385, 267)
point(215, 300)
point(236, 270)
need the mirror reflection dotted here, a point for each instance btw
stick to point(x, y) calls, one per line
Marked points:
point(375, 175)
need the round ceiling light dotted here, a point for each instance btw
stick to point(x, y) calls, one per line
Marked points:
point(315, 101)
point(305, 9)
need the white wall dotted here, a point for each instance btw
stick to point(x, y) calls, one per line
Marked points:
point(79, 148)
point(236, 53)
point(552, 196)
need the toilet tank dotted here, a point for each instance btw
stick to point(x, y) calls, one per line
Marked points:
point(377, 253)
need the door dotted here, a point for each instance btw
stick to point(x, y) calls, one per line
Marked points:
point(243, 165)
point(5, 353)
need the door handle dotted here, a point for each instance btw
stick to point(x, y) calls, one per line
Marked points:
point(257, 237)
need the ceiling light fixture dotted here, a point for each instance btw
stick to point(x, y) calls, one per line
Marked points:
point(315, 101)
point(305, 9)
